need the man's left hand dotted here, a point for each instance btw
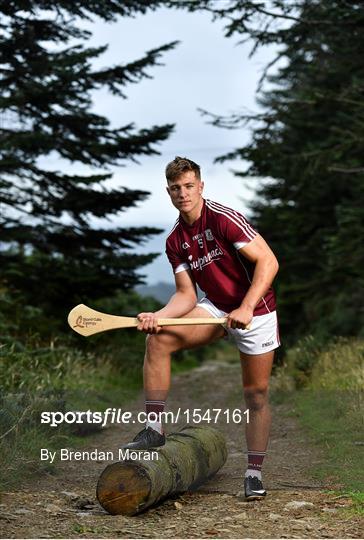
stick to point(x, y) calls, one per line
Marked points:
point(240, 318)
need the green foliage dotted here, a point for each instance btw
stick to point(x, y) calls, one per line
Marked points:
point(330, 405)
point(301, 359)
point(333, 421)
point(358, 499)
point(21, 323)
point(340, 366)
point(55, 378)
point(65, 373)
point(31, 359)
point(39, 369)
point(317, 365)
point(54, 252)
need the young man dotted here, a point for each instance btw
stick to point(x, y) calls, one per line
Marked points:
point(215, 247)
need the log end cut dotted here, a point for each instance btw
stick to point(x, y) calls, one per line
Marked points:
point(123, 486)
point(189, 458)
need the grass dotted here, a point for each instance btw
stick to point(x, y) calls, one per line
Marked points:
point(358, 500)
point(325, 386)
point(328, 419)
point(55, 379)
point(20, 449)
point(64, 378)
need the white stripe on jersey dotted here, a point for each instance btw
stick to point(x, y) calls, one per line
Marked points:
point(235, 219)
point(236, 214)
point(173, 228)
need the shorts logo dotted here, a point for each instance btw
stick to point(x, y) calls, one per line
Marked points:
point(209, 235)
point(185, 245)
point(267, 344)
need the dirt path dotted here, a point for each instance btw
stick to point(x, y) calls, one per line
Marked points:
point(63, 504)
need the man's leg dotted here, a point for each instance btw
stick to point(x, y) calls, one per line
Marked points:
point(256, 370)
point(157, 362)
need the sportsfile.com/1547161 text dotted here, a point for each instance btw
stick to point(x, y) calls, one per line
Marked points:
point(118, 416)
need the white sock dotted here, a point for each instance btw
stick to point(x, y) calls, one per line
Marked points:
point(157, 426)
point(253, 473)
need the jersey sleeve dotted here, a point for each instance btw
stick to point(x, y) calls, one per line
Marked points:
point(175, 258)
point(237, 229)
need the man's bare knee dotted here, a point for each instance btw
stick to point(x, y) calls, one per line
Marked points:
point(256, 397)
point(162, 343)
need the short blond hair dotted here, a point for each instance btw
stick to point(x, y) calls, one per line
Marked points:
point(181, 165)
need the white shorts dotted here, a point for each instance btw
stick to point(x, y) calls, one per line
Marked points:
point(262, 337)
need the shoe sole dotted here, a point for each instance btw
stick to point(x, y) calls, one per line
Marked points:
point(255, 497)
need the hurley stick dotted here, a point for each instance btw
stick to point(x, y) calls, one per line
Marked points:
point(87, 321)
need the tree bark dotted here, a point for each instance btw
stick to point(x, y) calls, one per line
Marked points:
point(189, 458)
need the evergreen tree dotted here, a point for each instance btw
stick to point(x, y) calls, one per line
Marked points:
point(52, 252)
point(307, 143)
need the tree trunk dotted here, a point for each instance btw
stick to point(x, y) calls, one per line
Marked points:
point(143, 478)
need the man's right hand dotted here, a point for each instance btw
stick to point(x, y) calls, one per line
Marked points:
point(148, 323)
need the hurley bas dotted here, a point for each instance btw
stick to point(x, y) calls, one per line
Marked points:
point(65, 454)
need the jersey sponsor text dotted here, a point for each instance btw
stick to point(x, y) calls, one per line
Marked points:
point(212, 255)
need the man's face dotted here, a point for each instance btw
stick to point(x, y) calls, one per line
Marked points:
point(185, 192)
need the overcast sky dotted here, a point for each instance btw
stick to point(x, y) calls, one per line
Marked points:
point(206, 70)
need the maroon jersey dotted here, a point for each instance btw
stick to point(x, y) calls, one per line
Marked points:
point(209, 248)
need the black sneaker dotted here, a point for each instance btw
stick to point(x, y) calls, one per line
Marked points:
point(254, 489)
point(147, 438)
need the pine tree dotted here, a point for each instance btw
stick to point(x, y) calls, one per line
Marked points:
point(52, 252)
point(307, 143)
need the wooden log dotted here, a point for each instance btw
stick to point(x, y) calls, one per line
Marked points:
point(189, 458)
